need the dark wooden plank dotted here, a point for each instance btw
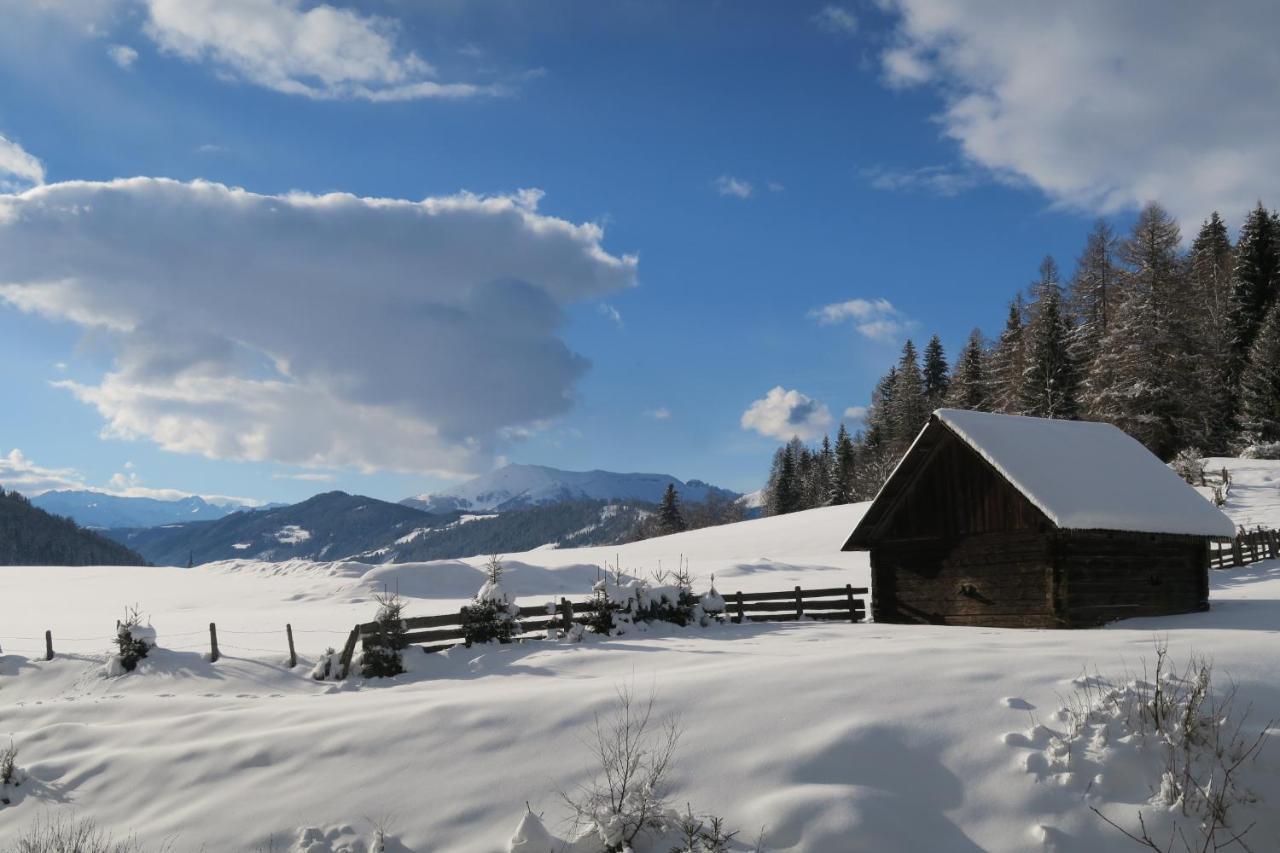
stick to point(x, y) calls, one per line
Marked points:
point(826, 604)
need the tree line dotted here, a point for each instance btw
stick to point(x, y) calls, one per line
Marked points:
point(1179, 349)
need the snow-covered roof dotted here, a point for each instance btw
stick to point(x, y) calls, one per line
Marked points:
point(1088, 476)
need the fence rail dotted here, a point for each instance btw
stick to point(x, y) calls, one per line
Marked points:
point(446, 630)
point(1249, 546)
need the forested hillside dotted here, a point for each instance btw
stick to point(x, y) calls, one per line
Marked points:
point(1179, 349)
point(29, 536)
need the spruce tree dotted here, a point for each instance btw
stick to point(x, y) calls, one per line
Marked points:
point(1260, 385)
point(969, 387)
point(1210, 278)
point(908, 409)
point(842, 480)
point(670, 519)
point(824, 480)
point(1007, 362)
point(1256, 276)
point(782, 493)
point(936, 380)
point(1050, 380)
point(880, 415)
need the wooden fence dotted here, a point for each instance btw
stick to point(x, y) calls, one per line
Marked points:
point(1247, 547)
point(436, 633)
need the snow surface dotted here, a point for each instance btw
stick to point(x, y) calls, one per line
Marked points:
point(1088, 476)
point(835, 737)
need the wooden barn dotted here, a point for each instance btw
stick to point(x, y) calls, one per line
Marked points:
point(1026, 522)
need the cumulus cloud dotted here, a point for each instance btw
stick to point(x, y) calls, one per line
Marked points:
point(1101, 105)
point(836, 19)
point(875, 319)
point(317, 331)
point(784, 414)
point(122, 55)
point(321, 51)
point(306, 477)
point(938, 180)
point(855, 414)
point(20, 474)
point(17, 167)
point(735, 187)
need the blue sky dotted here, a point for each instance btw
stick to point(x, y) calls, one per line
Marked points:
point(748, 164)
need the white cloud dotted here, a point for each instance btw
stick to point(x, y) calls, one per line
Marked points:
point(311, 330)
point(836, 19)
point(661, 413)
point(20, 474)
point(1099, 104)
point(306, 477)
point(784, 414)
point(320, 51)
point(17, 167)
point(875, 319)
point(607, 310)
point(776, 186)
point(938, 180)
point(855, 414)
point(731, 186)
point(122, 55)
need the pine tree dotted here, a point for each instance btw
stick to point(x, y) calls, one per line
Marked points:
point(880, 415)
point(842, 480)
point(936, 380)
point(1050, 380)
point(670, 519)
point(1007, 362)
point(1093, 291)
point(1260, 384)
point(969, 386)
point(908, 409)
point(826, 473)
point(782, 493)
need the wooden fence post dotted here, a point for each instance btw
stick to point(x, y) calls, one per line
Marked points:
point(48, 645)
point(848, 594)
point(213, 642)
point(462, 620)
point(799, 605)
point(742, 611)
point(1237, 555)
point(348, 651)
point(566, 614)
point(293, 655)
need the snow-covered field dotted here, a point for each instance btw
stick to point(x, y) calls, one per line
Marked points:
point(834, 737)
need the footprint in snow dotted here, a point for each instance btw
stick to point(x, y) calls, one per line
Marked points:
point(1019, 704)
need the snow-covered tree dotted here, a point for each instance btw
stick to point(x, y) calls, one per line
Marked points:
point(383, 654)
point(843, 475)
point(492, 614)
point(1008, 362)
point(969, 386)
point(1093, 291)
point(1050, 379)
point(936, 380)
point(1260, 385)
point(908, 408)
point(1256, 277)
point(670, 519)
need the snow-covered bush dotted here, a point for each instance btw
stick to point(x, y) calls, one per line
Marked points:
point(491, 615)
point(1189, 465)
point(382, 654)
point(626, 798)
point(327, 666)
point(531, 836)
point(1262, 450)
point(1189, 735)
point(10, 773)
point(134, 639)
point(620, 601)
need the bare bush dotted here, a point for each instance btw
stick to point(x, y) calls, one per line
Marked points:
point(633, 755)
point(67, 835)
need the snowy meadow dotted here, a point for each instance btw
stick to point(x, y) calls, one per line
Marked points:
point(806, 736)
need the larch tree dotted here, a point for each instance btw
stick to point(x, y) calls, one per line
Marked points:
point(1093, 292)
point(969, 386)
point(1007, 362)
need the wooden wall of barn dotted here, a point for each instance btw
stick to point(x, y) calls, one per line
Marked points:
point(1109, 576)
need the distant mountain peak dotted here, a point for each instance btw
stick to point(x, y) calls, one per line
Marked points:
point(519, 485)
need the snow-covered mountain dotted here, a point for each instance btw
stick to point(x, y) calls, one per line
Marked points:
point(99, 510)
point(516, 486)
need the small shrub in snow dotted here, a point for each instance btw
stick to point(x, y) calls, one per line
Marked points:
point(491, 615)
point(10, 774)
point(134, 639)
point(67, 835)
point(382, 656)
point(1262, 450)
point(1189, 465)
point(633, 755)
point(621, 601)
point(327, 666)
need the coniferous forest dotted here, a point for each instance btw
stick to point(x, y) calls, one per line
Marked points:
point(1180, 349)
